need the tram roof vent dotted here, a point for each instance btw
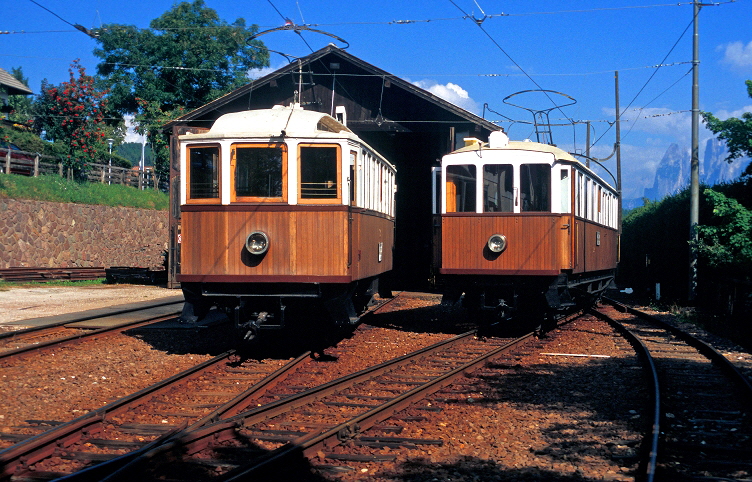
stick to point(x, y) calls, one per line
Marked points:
point(498, 139)
point(472, 141)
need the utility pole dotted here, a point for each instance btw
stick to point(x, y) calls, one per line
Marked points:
point(587, 145)
point(618, 145)
point(694, 186)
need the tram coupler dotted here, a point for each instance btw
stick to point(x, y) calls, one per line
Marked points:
point(249, 324)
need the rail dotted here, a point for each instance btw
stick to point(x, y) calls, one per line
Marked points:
point(49, 274)
point(697, 414)
point(420, 385)
point(16, 459)
point(149, 318)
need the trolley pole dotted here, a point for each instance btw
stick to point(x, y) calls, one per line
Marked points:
point(694, 187)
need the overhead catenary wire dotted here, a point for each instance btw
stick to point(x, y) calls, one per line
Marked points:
point(618, 114)
point(479, 23)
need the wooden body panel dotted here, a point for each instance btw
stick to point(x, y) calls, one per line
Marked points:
point(306, 244)
point(537, 244)
point(596, 247)
point(371, 233)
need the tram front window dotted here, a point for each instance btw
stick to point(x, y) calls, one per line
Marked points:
point(498, 195)
point(460, 189)
point(203, 172)
point(535, 187)
point(259, 171)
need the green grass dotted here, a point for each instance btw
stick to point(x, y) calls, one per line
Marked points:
point(56, 189)
point(6, 285)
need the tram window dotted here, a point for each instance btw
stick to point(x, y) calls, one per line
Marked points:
point(498, 194)
point(566, 200)
point(319, 173)
point(353, 180)
point(203, 172)
point(258, 172)
point(460, 189)
point(535, 187)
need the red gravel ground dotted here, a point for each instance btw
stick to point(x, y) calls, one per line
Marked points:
point(540, 418)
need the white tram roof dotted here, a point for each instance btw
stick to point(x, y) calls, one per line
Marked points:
point(559, 154)
point(279, 121)
point(499, 141)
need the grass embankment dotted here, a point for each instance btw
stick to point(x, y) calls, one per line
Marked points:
point(57, 189)
point(7, 285)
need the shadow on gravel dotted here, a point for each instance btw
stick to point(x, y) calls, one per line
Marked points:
point(472, 469)
point(219, 338)
point(430, 319)
point(447, 319)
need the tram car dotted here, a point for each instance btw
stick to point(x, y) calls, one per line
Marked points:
point(521, 230)
point(284, 213)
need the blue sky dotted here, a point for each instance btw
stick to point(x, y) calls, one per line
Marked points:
point(568, 46)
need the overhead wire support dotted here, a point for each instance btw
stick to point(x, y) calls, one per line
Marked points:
point(79, 27)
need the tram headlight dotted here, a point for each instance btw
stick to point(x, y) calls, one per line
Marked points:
point(257, 243)
point(497, 243)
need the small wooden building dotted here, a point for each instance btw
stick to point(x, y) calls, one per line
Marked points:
point(406, 124)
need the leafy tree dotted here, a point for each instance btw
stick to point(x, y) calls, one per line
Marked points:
point(736, 132)
point(20, 105)
point(188, 57)
point(73, 115)
point(725, 240)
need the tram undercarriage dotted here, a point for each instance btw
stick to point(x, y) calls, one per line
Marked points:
point(500, 299)
point(254, 307)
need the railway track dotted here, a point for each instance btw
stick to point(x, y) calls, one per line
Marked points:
point(207, 392)
point(701, 418)
point(299, 425)
point(288, 427)
point(50, 274)
point(79, 328)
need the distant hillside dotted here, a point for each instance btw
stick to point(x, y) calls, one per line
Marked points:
point(132, 152)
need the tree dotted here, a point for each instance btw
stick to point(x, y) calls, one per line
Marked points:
point(725, 241)
point(73, 115)
point(188, 57)
point(20, 105)
point(736, 132)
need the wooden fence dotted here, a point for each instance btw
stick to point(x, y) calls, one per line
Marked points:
point(31, 164)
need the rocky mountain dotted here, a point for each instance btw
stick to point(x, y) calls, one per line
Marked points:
point(673, 172)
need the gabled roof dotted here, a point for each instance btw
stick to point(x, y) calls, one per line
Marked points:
point(12, 85)
point(333, 51)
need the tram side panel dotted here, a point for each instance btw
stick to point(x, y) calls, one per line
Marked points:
point(596, 247)
point(372, 245)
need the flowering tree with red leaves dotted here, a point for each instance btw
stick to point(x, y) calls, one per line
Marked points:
point(72, 115)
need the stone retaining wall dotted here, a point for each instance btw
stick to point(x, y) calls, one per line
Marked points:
point(62, 235)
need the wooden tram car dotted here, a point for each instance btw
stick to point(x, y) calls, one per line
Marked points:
point(284, 211)
point(521, 228)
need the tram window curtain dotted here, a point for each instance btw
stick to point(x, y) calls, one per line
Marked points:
point(460, 189)
point(535, 187)
point(203, 172)
point(498, 193)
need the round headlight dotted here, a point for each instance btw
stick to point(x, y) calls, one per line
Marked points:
point(257, 243)
point(497, 243)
